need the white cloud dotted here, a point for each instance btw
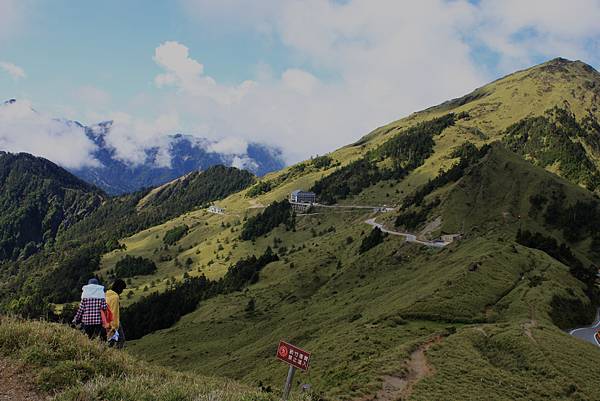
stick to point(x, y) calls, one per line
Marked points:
point(24, 130)
point(300, 81)
point(13, 70)
point(130, 137)
point(188, 76)
point(381, 63)
point(92, 96)
point(229, 146)
point(521, 31)
point(244, 162)
point(362, 63)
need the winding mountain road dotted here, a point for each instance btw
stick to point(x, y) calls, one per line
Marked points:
point(409, 237)
point(588, 333)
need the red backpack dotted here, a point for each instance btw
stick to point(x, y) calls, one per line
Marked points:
point(107, 317)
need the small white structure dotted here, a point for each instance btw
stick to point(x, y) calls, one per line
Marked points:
point(216, 209)
point(300, 196)
point(450, 238)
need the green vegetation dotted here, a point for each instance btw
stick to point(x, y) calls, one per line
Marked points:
point(38, 201)
point(561, 253)
point(407, 151)
point(556, 138)
point(56, 274)
point(489, 305)
point(348, 180)
point(375, 237)
point(65, 364)
point(259, 189)
point(175, 234)
point(412, 219)
point(160, 311)
point(131, 266)
point(322, 162)
point(275, 214)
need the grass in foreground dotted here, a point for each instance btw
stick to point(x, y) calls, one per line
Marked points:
point(70, 367)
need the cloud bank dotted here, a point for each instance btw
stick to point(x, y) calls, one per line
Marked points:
point(382, 60)
point(346, 67)
point(24, 130)
point(13, 70)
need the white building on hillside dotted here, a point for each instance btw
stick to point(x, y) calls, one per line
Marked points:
point(299, 196)
point(216, 209)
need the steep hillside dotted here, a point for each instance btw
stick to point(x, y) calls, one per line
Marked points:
point(47, 359)
point(38, 201)
point(365, 315)
point(56, 275)
point(373, 307)
point(447, 254)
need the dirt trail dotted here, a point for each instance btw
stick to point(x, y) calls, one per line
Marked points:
point(16, 384)
point(527, 326)
point(400, 387)
point(254, 204)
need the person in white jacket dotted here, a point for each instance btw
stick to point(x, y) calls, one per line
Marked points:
point(93, 300)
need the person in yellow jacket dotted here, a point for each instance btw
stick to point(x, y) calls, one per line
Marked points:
point(116, 335)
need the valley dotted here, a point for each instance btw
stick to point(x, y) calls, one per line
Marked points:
point(452, 253)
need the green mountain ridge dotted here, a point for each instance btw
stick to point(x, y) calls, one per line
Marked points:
point(509, 171)
point(38, 201)
point(56, 274)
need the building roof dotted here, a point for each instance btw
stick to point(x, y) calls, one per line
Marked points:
point(299, 191)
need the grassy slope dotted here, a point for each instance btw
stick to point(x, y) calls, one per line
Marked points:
point(362, 319)
point(70, 367)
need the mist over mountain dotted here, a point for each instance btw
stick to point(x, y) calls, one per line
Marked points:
point(181, 155)
point(120, 157)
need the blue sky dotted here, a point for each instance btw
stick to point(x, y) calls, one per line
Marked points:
point(304, 75)
point(109, 44)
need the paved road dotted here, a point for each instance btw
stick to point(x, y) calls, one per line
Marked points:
point(409, 237)
point(374, 208)
point(588, 333)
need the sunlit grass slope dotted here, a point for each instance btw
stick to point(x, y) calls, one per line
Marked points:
point(490, 298)
point(68, 366)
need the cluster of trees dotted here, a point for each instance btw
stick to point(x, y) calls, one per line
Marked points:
point(561, 252)
point(259, 188)
point(348, 180)
point(245, 272)
point(469, 155)
point(57, 272)
point(131, 266)
point(556, 138)
point(375, 237)
point(322, 162)
point(407, 151)
point(161, 310)
point(576, 221)
point(63, 283)
point(412, 147)
point(275, 214)
point(413, 219)
point(38, 200)
point(175, 234)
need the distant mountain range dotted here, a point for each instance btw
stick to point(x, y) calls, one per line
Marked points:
point(187, 154)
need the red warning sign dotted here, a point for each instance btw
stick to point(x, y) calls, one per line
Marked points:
point(293, 355)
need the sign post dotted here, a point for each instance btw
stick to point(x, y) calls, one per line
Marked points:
point(297, 358)
point(288, 383)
